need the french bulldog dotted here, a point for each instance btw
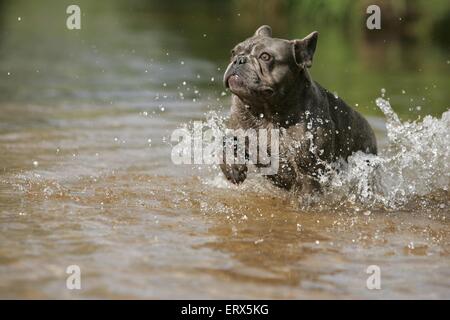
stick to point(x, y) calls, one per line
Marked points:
point(272, 88)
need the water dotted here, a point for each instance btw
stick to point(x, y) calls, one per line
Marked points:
point(414, 163)
point(86, 176)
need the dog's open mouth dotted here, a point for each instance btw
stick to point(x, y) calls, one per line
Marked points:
point(236, 84)
point(234, 81)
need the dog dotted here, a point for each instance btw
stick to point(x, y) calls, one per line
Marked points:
point(272, 88)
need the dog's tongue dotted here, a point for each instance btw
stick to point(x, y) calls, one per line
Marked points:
point(235, 81)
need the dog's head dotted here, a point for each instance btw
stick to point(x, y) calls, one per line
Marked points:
point(265, 69)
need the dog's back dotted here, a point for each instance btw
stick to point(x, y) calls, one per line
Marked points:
point(353, 132)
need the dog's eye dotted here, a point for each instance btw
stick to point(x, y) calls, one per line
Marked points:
point(265, 56)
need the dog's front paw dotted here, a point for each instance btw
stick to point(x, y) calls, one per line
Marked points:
point(236, 173)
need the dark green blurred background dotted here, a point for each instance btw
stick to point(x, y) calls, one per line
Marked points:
point(128, 52)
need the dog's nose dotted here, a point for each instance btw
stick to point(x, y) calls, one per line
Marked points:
point(240, 60)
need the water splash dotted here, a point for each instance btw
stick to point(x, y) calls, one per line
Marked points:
point(415, 163)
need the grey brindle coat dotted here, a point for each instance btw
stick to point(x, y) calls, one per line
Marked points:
point(272, 88)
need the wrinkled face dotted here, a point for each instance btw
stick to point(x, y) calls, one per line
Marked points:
point(260, 67)
point(264, 69)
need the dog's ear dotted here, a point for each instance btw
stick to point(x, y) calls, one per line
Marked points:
point(264, 31)
point(304, 49)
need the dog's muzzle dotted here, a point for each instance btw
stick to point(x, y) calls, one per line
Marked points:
point(232, 69)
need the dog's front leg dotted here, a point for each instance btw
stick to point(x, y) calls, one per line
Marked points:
point(307, 152)
point(236, 173)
